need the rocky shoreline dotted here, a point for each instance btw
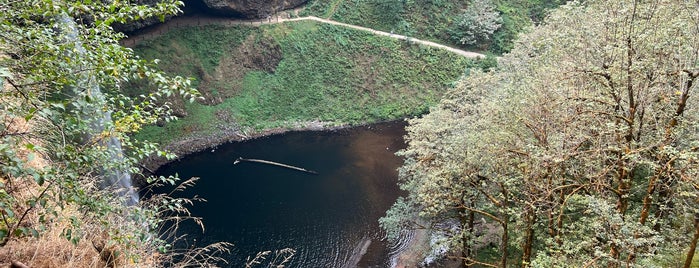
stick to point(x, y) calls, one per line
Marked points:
point(413, 254)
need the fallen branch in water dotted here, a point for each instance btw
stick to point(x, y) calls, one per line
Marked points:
point(240, 159)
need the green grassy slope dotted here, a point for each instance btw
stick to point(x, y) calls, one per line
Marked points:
point(278, 75)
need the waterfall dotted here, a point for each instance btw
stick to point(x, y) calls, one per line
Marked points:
point(114, 178)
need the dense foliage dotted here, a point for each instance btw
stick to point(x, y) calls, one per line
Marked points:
point(444, 21)
point(476, 24)
point(64, 123)
point(579, 150)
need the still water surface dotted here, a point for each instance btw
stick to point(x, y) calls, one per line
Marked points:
point(330, 219)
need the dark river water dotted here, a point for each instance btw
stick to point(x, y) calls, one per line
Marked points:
point(330, 219)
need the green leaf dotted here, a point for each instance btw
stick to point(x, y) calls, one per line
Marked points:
point(67, 233)
point(33, 232)
point(3, 234)
point(9, 213)
point(39, 179)
point(4, 74)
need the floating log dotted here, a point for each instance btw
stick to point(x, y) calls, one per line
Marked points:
point(240, 159)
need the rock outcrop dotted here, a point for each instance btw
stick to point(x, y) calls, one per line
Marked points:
point(251, 8)
point(133, 26)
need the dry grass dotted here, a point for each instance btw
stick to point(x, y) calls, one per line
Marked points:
point(51, 249)
point(106, 242)
point(122, 238)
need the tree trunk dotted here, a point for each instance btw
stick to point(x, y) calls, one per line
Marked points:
point(614, 252)
point(467, 220)
point(559, 221)
point(505, 219)
point(622, 191)
point(664, 196)
point(693, 244)
point(647, 200)
point(551, 229)
point(645, 210)
point(504, 243)
point(528, 238)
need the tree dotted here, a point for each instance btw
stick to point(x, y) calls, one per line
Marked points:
point(582, 143)
point(392, 12)
point(476, 24)
point(62, 69)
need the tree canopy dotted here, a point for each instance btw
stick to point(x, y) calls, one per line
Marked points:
point(476, 24)
point(579, 150)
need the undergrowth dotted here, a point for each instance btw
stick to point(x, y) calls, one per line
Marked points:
point(185, 52)
point(431, 19)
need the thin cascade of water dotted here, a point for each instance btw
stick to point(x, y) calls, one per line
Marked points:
point(114, 178)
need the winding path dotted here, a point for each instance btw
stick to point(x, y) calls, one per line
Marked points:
point(177, 22)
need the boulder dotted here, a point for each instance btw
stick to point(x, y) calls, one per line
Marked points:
point(133, 26)
point(251, 8)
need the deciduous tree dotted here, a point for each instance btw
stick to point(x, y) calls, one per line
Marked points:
point(583, 142)
point(476, 24)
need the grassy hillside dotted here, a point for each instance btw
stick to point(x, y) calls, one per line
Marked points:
point(432, 19)
point(280, 75)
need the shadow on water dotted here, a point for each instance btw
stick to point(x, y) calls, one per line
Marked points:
point(330, 219)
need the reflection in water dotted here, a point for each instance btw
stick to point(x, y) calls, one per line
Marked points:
point(331, 219)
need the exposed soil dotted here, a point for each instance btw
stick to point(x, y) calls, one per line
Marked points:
point(256, 53)
point(263, 54)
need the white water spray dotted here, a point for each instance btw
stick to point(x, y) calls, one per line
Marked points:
point(114, 178)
